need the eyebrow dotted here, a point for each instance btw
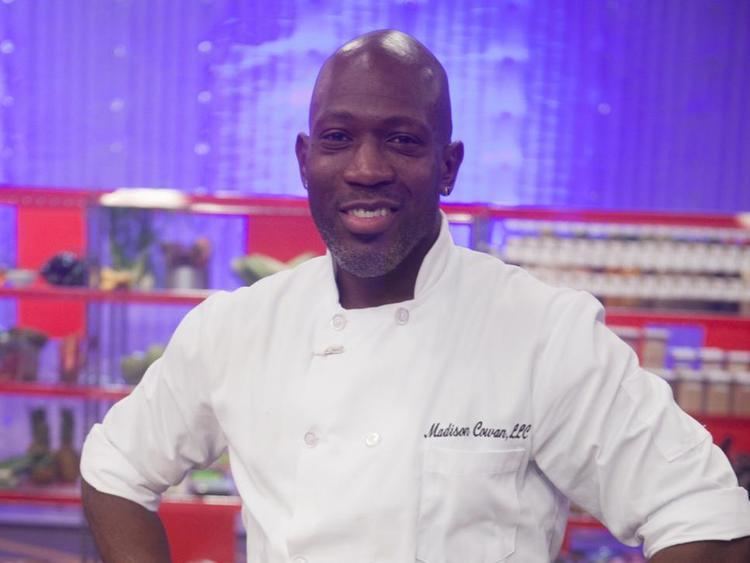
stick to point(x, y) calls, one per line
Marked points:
point(392, 121)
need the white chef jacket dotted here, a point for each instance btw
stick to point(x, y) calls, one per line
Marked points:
point(450, 428)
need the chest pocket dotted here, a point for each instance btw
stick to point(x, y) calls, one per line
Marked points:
point(469, 506)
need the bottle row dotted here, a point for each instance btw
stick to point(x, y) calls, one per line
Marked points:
point(704, 380)
point(625, 231)
point(640, 255)
point(666, 287)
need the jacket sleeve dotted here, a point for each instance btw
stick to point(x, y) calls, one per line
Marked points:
point(610, 436)
point(149, 440)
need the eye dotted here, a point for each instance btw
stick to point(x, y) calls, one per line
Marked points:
point(402, 139)
point(334, 137)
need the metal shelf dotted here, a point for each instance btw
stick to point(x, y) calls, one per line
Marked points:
point(70, 495)
point(157, 297)
point(105, 393)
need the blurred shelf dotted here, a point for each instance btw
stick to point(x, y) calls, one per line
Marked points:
point(156, 199)
point(47, 494)
point(70, 495)
point(732, 221)
point(157, 297)
point(230, 203)
point(728, 331)
point(616, 315)
point(61, 390)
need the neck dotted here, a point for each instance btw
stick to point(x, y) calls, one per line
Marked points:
point(393, 287)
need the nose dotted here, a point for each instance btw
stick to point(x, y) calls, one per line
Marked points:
point(368, 166)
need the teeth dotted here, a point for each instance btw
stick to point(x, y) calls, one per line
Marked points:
point(382, 212)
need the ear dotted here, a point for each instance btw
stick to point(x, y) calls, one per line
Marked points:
point(300, 148)
point(453, 156)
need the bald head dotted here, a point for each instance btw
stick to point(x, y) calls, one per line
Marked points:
point(390, 58)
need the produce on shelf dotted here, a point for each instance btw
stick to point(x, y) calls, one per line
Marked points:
point(19, 353)
point(65, 269)
point(17, 277)
point(256, 266)
point(42, 469)
point(40, 464)
point(67, 458)
point(110, 279)
point(131, 238)
point(187, 266)
point(134, 366)
point(72, 358)
point(210, 481)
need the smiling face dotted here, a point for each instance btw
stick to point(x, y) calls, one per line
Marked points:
point(378, 156)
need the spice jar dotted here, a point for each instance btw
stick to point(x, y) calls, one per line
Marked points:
point(711, 358)
point(738, 360)
point(690, 390)
point(683, 357)
point(718, 392)
point(741, 402)
point(654, 348)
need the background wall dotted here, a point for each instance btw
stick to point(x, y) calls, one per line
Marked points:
point(638, 104)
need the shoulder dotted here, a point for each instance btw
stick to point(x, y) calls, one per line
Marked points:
point(488, 279)
point(267, 294)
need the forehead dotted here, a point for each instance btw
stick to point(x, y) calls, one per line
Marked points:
point(375, 88)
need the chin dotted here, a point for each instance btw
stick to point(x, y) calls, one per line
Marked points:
point(368, 262)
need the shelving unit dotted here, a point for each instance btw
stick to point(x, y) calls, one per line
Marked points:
point(60, 390)
point(185, 520)
point(157, 297)
point(71, 220)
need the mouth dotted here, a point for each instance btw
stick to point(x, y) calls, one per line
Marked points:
point(368, 218)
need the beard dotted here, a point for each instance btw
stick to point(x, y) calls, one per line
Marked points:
point(372, 260)
point(368, 262)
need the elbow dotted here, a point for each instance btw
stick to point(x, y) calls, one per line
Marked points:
point(733, 551)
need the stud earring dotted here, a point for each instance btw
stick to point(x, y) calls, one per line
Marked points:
point(446, 190)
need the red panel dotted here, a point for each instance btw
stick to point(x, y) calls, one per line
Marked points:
point(728, 332)
point(283, 237)
point(43, 232)
point(43, 291)
point(200, 532)
point(735, 428)
point(728, 336)
point(632, 217)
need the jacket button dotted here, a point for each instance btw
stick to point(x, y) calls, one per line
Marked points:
point(402, 316)
point(372, 439)
point(338, 322)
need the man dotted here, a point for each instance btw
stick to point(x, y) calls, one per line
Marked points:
point(402, 398)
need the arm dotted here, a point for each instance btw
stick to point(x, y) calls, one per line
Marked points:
point(149, 441)
point(123, 530)
point(735, 551)
point(611, 438)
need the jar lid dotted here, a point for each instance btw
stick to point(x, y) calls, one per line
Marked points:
point(718, 376)
point(656, 333)
point(684, 353)
point(712, 354)
point(626, 332)
point(739, 356)
point(690, 374)
point(665, 373)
